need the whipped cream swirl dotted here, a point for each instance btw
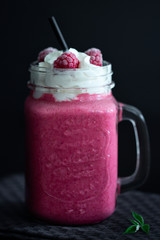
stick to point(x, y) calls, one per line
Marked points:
point(67, 84)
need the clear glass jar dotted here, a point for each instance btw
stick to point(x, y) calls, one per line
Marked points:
point(72, 145)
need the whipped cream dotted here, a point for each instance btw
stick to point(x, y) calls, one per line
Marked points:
point(67, 84)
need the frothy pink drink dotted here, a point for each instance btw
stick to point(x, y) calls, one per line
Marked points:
point(71, 138)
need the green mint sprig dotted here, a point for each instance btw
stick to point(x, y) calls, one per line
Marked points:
point(138, 223)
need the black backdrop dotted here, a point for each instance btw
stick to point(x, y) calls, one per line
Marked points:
point(127, 32)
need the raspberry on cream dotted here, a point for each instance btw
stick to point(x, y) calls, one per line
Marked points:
point(45, 52)
point(96, 56)
point(66, 60)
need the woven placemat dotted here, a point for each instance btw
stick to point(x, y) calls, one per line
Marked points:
point(16, 223)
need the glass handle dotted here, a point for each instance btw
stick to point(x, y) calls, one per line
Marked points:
point(127, 112)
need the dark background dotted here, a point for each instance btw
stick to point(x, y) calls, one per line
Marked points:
point(127, 32)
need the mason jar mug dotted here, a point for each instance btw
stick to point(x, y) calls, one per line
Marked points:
point(71, 121)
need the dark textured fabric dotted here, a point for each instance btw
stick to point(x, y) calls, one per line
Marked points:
point(16, 223)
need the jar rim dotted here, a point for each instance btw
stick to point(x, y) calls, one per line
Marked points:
point(32, 86)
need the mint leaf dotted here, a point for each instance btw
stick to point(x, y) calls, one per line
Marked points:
point(138, 217)
point(134, 222)
point(138, 222)
point(145, 228)
point(132, 229)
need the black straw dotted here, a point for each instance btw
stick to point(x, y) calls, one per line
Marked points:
point(58, 33)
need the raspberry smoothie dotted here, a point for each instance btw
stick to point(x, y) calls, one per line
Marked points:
point(71, 138)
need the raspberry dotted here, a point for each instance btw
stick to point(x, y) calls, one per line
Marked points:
point(96, 56)
point(66, 60)
point(45, 52)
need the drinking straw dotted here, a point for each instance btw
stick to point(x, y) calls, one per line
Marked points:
point(58, 33)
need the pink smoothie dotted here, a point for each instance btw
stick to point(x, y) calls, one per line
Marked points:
point(71, 158)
